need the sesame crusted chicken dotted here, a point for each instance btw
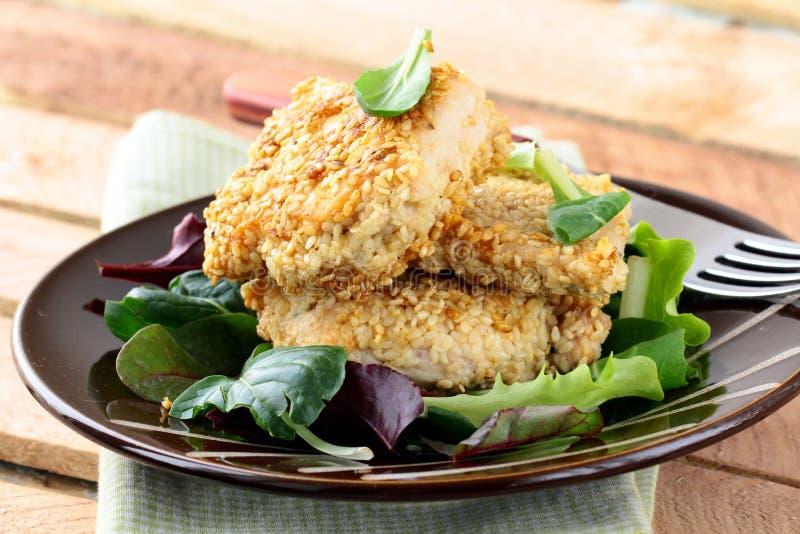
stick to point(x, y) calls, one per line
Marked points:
point(333, 198)
point(502, 238)
point(337, 216)
point(445, 335)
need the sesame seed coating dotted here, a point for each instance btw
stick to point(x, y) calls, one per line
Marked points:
point(332, 197)
point(502, 238)
point(445, 335)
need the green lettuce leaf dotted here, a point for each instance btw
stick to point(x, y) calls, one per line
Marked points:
point(657, 298)
point(633, 377)
point(657, 341)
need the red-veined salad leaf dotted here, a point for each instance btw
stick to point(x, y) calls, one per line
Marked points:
point(185, 254)
point(517, 426)
point(377, 396)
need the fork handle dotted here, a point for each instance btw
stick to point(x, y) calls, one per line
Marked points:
point(247, 98)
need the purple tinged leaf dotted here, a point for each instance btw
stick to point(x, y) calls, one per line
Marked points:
point(517, 426)
point(380, 397)
point(185, 254)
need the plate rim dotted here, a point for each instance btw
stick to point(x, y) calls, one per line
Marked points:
point(405, 490)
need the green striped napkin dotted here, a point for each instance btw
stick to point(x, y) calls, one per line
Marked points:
point(166, 159)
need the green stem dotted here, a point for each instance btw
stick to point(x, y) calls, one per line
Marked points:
point(521, 157)
point(414, 50)
point(349, 453)
point(634, 298)
point(548, 168)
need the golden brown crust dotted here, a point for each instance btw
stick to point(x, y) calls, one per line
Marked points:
point(443, 334)
point(332, 197)
point(502, 238)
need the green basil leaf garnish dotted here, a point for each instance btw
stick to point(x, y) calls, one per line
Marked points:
point(576, 213)
point(393, 90)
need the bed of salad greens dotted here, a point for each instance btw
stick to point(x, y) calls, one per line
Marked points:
point(193, 345)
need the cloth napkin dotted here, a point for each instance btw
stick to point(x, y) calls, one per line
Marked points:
point(168, 158)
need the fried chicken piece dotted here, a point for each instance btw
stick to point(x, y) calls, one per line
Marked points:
point(332, 197)
point(502, 238)
point(443, 334)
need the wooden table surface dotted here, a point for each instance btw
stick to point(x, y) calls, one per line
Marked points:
point(703, 101)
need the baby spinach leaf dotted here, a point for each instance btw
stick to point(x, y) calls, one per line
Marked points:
point(284, 388)
point(656, 283)
point(548, 169)
point(157, 362)
point(191, 296)
point(196, 284)
point(516, 426)
point(186, 253)
point(220, 342)
point(632, 377)
point(393, 90)
point(626, 333)
point(145, 305)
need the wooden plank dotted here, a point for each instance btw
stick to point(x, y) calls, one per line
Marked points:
point(780, 12)
point(40, 503)
point(701, 80)
point(135, 53)
point(53, 161)
point(695, 499)
point(116, 70)
point(33, 245)
point(769, 449)
point(32, 437)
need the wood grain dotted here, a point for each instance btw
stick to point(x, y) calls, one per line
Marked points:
point(157, 79)
point(47, 55)
point(769, 449)
point(32, 437)
point(39, 503)
point(698, 500)
point(696, 78)
point(780, 12)
point(54, 161)
point(31, 246)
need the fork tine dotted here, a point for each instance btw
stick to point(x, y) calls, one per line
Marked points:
point(712, 287)
point(759, 262)
point(768, 245)
point(751, 277)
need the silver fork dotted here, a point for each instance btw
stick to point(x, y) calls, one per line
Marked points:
point(730, 262)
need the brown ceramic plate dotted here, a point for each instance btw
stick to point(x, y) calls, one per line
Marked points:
point(66, 355)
